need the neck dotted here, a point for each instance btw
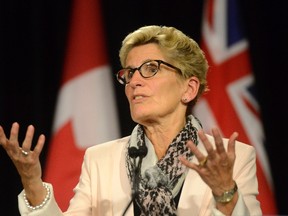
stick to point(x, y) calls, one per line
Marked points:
point(161, 135)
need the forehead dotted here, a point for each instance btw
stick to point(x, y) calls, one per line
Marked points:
point(139, 54)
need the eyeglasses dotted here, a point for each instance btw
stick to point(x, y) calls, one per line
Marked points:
point(146, 70)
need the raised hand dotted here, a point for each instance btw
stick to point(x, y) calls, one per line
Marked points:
point(26, 160)
point(215, 168)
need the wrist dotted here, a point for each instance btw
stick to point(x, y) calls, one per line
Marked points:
point(227, 195)
point(31, 183)
point(31, 205)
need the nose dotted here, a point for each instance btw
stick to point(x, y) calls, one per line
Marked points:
point(136, 78)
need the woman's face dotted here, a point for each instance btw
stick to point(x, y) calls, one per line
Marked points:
point(156, 98)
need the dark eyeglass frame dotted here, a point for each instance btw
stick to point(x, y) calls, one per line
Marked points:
point(133, 70)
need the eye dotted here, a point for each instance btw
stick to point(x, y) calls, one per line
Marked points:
point(129, 73)
point(150, 68)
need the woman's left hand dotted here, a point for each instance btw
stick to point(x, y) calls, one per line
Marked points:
point(215, 168)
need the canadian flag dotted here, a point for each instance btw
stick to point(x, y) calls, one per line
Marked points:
point(86, 112)
point(231, 104)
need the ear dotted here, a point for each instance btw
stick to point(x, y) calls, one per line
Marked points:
point(192, 88)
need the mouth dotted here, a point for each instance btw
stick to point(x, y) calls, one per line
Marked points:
point(137, 97)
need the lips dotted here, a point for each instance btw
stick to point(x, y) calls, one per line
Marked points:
point(137, 97)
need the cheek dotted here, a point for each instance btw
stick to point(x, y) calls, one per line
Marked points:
point(170, 90)
point(127, 92)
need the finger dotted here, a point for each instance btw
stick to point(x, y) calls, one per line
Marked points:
point(184, 160)
point(28, 138)
point(224, 160)
point(187, 163)
point(218, 142)
point(12, 145)
point(3, 138)
point(198, 154)
point(231, 142)
point(194, 149)
point(39, 146)
point(207, 144)
point(14, 133)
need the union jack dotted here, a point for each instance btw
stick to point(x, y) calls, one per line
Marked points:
point(231, 104)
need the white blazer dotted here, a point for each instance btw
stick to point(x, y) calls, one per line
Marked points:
point(104, 188)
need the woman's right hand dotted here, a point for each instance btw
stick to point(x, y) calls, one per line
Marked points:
point(26, 161)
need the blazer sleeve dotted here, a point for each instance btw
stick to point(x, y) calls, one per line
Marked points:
point(50, 208)
point(80, 204)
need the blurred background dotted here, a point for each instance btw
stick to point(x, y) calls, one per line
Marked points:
point(33, 38)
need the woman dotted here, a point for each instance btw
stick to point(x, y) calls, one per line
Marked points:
point(168, 166)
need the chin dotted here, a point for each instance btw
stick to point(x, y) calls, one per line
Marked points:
point(139, 117)
point(144, 119)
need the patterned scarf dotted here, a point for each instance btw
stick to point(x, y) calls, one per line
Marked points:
point(160, 182)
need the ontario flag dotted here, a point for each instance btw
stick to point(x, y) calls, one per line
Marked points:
point(231, 104)
point(86, 109)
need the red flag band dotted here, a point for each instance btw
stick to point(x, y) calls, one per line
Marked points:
point(86, 109)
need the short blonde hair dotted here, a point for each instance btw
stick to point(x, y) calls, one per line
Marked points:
point(181, 50)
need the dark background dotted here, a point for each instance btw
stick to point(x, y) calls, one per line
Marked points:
point(32, 47)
